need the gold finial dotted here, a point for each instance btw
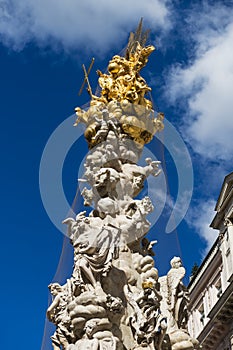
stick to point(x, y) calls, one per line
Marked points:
point(123, 81)
point(123, 90)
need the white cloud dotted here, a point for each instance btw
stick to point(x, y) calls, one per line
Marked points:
point(206, 85)
point(71, 24)
point(199, 218)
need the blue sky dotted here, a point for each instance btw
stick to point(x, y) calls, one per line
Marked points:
point(42, 47)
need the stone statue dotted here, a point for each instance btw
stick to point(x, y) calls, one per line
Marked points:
point(57, 313)
point(95, 248)
point(177, 294)
point(174, 305)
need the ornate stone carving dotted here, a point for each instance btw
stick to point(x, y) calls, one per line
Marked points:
point(114, 298)
point(147, 322)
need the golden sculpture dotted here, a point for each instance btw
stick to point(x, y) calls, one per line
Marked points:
point(123, 90)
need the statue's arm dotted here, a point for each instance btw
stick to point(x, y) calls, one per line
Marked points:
point(51, 308)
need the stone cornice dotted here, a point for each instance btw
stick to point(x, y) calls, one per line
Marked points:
point(205, 264)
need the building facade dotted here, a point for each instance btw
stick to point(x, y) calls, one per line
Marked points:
point(211, 288)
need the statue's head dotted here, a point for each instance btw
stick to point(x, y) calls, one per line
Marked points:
point(176, 262)
point(55, 288)
point(90, 327)
point(147, 205)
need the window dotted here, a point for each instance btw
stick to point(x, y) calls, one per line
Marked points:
point(218, 286)
point(202, 314)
